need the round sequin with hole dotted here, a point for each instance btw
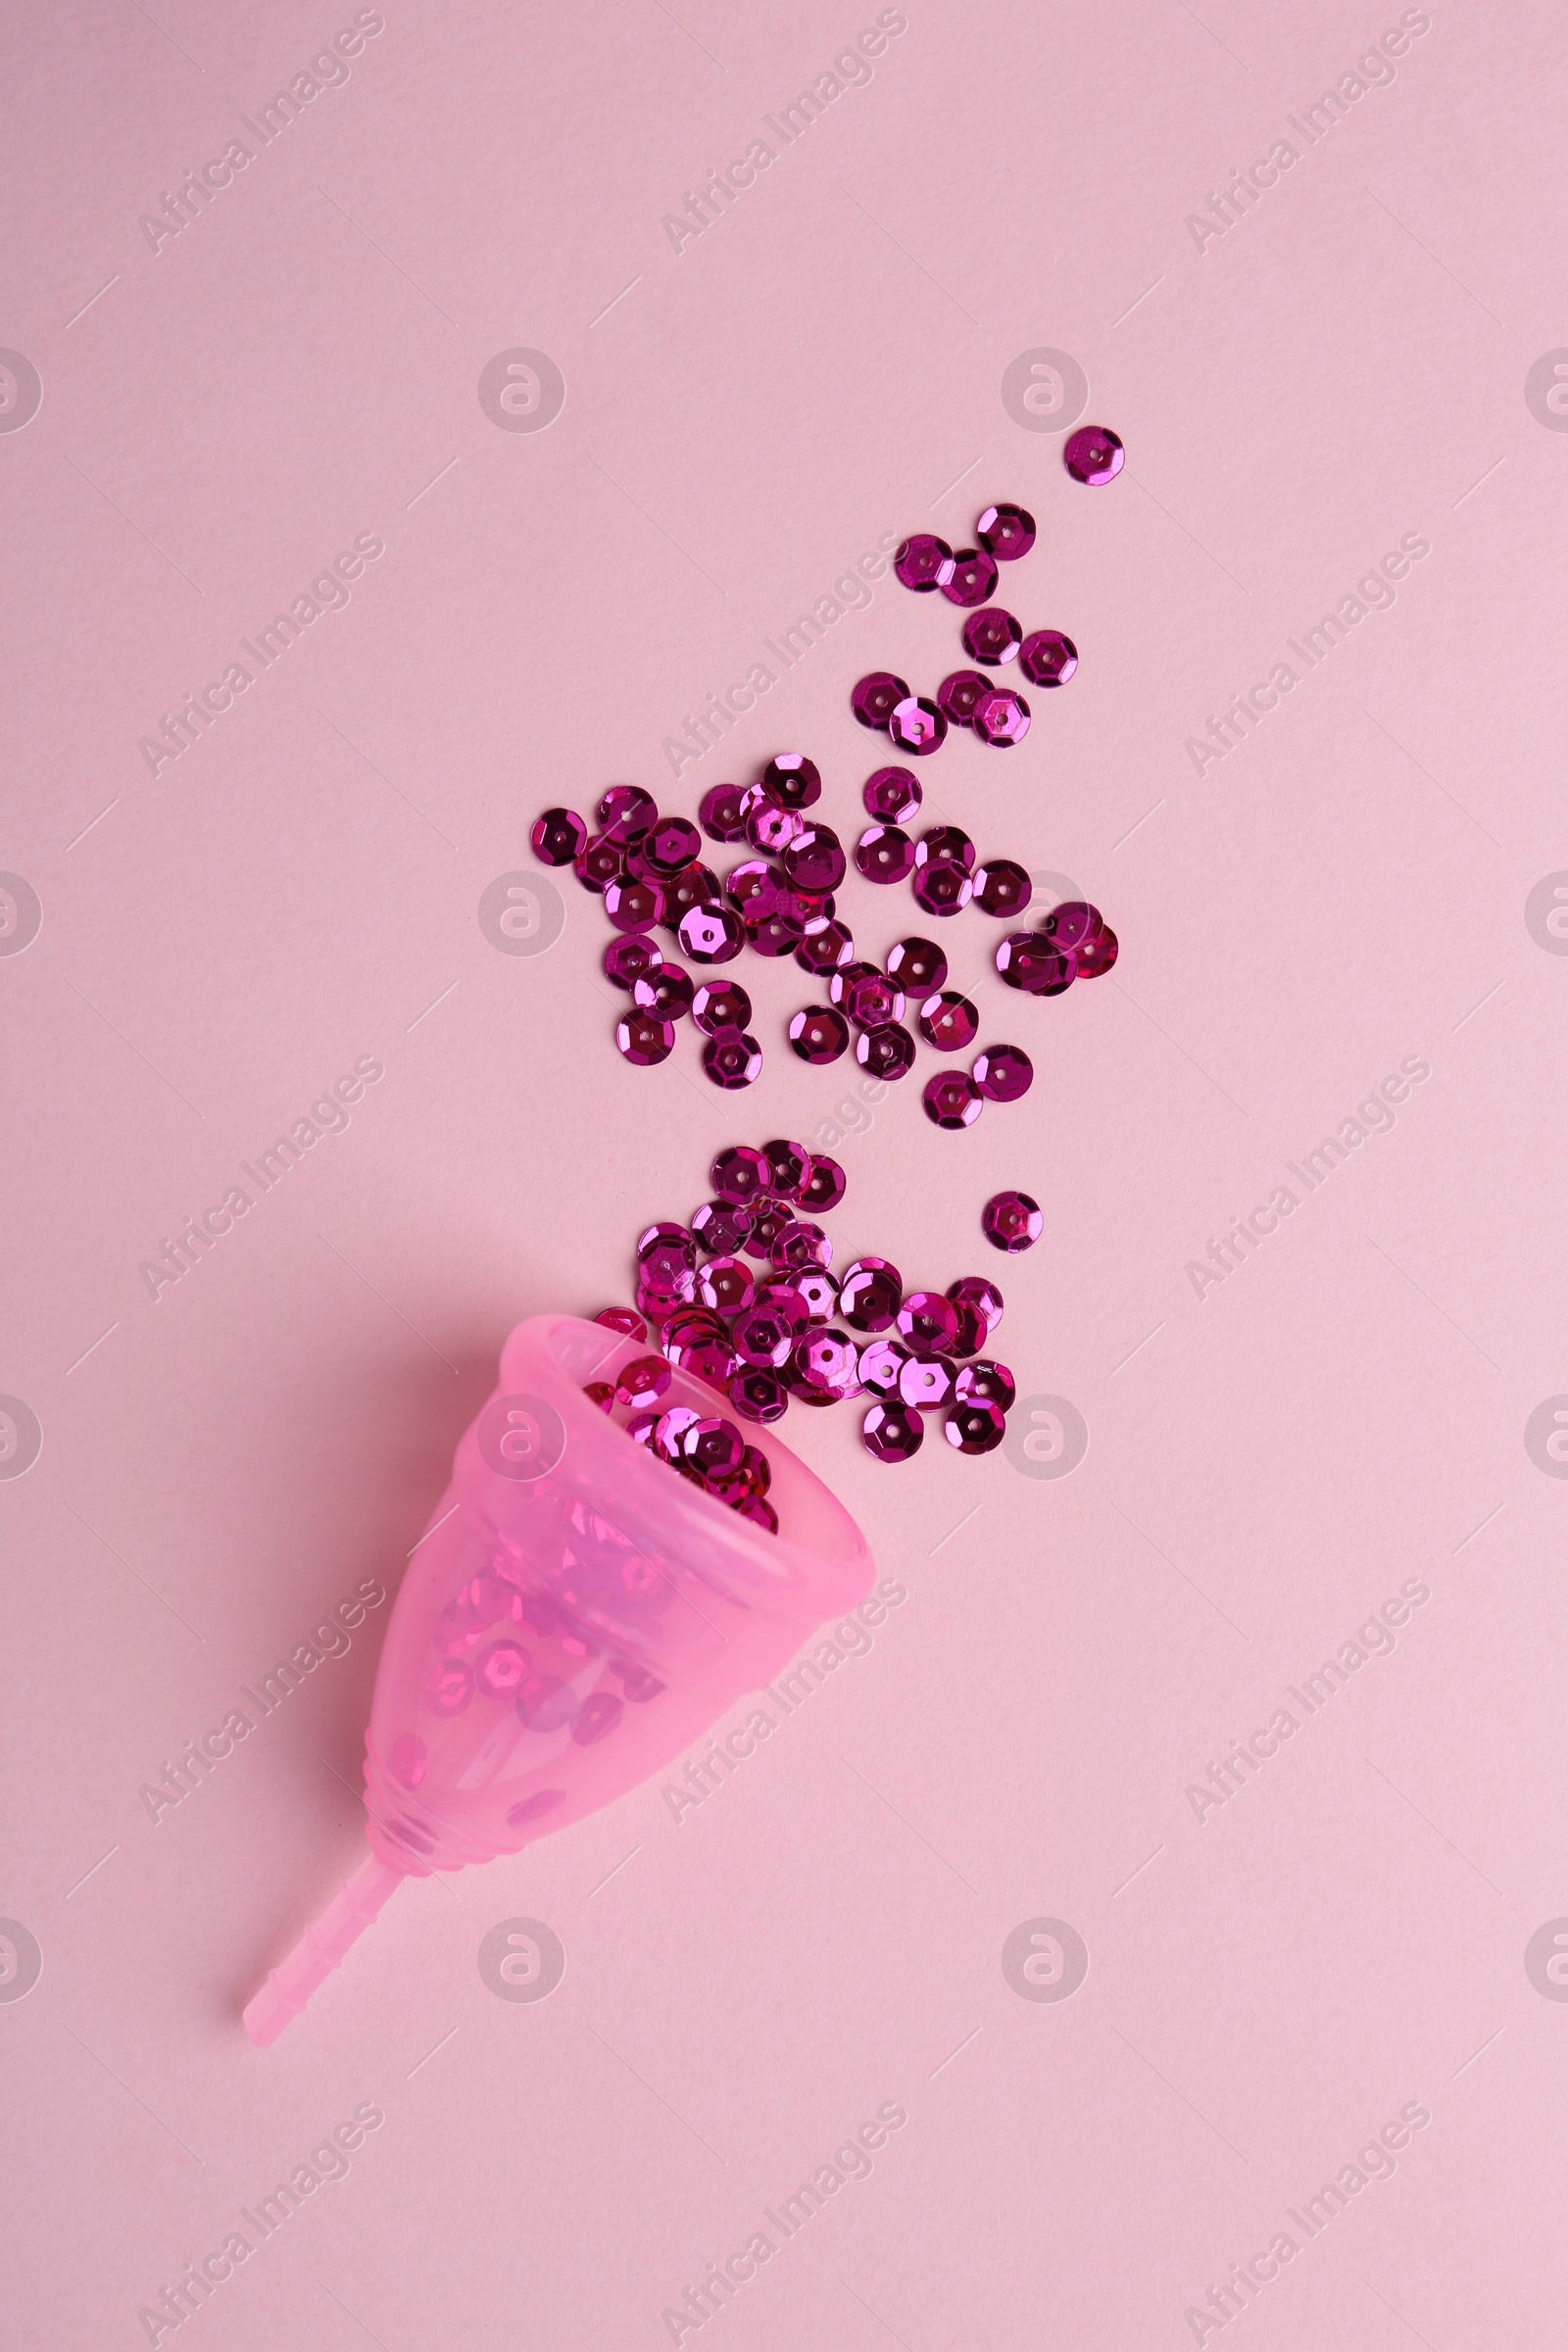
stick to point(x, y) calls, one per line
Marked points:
point(874, 698)
point(923, 562)
point(1093, 454)
point(950, 1100)
point(1012, 1221)
point(820, 1034)
point(1047, 657)
point(1005, 531)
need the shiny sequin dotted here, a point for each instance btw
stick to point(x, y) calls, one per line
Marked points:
point(979, 1293)
point(923, 562)
point(641, 1383)
point(927, 1321)
point(826, 1188)
point(776, 934)
point(623, 1320)
point(633, 905)
point(819, 1291)
point(825, 945)
point(975, 577)
point(958, 693)
point(449, 1688)
point(600, 1393)
point(758, 1395)
point(916, 725)
point(711, 934)
point(925, 1384)
point(1096, 956)
point(501, 1669)
point(814, 861)
point(645, 1038)
point(891, 1432)
point(667, 990)
point(869, 997)
point(1012, 1221)
point(725, 1286)
point(881, 1363)
point(1005, 531)
point(600, 862)
point(629, 956)
point(741, 1174)
point(721, 1226)
point(884, 853)
point(891, 795)
point(559, 835)
point(721, 1005)
point(820, 1034)
point(870, 1291)
point(713, 1446)
point(1000, 717)
point(885, 1052)
point(944, 845)
point(976, 1428)
point(985, 1383)
point(1036, 965)
point(918, 965)
point(874, 698)
point(1072, 921)
point(792, 780)
point(1047, 657)
point(828, 1362)
point(790, 1167)
point(771, 828)
point(992, 635)
point(949, 1022)
point(1002, 1073)
point(627, 810)
point(1002, 887)
point(720, 812)
point(801, 1244)
point(670, 844)
point(732, 1058)
point(763, 1336)
point(949, 1100)
point(1093, 454)
point(943, 888)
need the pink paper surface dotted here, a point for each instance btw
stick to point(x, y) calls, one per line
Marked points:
point(1362, 361)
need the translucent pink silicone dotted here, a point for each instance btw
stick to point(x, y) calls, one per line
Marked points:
point(576, 1614)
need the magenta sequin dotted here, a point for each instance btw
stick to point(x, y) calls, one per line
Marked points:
point(944, 845)
point(874, 698)
point(1071, 922)
point(628, 957)
point(558, 836)
point(721, 1005)
point(958, 693)
point(949, 1100)
point(976, 1428)
point(720, 812)
point(1047, 657)
point(870, 1293)
point(671, 845)
point(985, 1383)
point(600, 862)
point(949, 1022)
point(1002, 887)
point(645, 1038)
point(711, 934)
point(732, 1058)
point(918, 965)
point(1012, 1221)
point(992, 635)
point(826, 945)
point(886, 1052)
point(943, 888)
point(820, 1034)
point(814, 861)
point(792, 780)
point(1096, 956)
point(923, 562)
point(867, 995)
point(891, 795)
point(975, 577)
point(1000, 717)
point(891, 1432)
point(720, 1226)
point(633, 905)
point(740, 1173)
point(665, 990)
point(1036, 965)
point(759, 1394)
point(916, 725)
point(1005, 531)
point(1001, 1073)
point(826, 1187)
point(625, 810)
point(926, 1384)
point(928, 1321)
point(1093, 454)
point(884, 853)
point(881, 1362)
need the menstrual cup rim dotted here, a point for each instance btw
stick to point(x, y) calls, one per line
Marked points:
point(771, 1551)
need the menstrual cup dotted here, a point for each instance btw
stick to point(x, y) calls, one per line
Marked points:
point(576, 1614)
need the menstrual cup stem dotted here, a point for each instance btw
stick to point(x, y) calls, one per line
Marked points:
point(319, 1949)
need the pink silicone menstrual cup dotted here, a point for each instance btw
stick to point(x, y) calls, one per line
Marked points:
point(576, 1615)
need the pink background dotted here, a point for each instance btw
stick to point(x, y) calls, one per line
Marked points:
point(1267, 1463)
